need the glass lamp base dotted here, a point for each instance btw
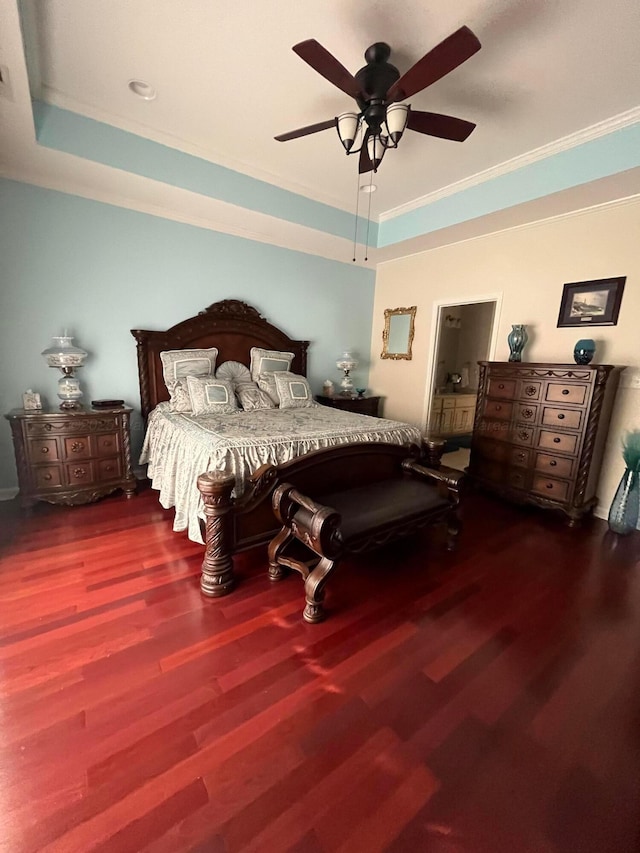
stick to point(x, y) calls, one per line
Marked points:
point(69, 392)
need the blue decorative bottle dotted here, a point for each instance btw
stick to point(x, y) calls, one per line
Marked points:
point(516, 339)
point(584, 351)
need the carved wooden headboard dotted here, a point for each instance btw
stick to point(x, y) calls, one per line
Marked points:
point(231, 325)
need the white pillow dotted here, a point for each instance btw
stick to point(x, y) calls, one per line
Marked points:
point(179, 363)
point(180, 400)
point(293, 391)
point(268, 361)
point(211, 396)
point(251, 397)
point(267, 383)
point(234, 372)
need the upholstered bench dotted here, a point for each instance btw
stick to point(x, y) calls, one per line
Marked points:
point(317, 532)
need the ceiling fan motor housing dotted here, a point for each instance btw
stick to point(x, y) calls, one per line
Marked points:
point(377, 76)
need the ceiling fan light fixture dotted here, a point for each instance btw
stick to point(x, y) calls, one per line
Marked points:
point(347, 125)
point(375, 149)
point(396, 121)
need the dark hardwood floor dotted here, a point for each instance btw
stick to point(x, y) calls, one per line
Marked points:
point(482, 702)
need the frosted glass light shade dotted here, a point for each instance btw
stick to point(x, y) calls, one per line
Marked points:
point(347, 126)
point(397, 117)
point(375, 149)
point(62, 353)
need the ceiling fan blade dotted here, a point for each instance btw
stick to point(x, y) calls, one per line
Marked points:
point(434, 124)
point(305, 131)
point(450, 53)
point(319, 58)
point(364, 163)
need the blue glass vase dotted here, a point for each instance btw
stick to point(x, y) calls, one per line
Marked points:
point(516, 339)
point(584, 351)
point(623, 515)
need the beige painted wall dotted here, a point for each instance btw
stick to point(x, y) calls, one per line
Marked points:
point(528, 266)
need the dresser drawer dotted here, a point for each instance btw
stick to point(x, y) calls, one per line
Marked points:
point(43, 450)
point(555, 489)
point(517, 478)
point(525, 412)
point(499, 410)
point(563, 442)
point(448, 403)
point(46, 476)
point(566, 418)
point(558, 466)
point(519, 456)
point(106, 444)
point(529, 390)
point(503, 388)
point(559, 392)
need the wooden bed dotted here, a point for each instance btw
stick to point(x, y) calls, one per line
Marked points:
point(235, 525)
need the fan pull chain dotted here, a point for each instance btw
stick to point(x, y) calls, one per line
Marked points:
point(366, 250)
point(355, 230)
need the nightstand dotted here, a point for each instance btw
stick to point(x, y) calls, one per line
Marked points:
point(361, 405)
point(72, 457)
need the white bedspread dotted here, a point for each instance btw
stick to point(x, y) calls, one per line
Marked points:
point(178, 447)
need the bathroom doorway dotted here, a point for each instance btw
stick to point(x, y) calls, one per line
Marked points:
point(465, 335)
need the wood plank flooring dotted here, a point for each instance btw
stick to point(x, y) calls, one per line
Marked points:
point(480, 702)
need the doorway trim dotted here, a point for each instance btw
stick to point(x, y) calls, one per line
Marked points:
point(451, 302)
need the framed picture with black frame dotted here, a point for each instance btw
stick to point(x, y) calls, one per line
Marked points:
point(591, 303)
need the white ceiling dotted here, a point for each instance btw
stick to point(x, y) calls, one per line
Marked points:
point(228, 81)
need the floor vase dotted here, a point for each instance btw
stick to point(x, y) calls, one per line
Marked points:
point(623, 515)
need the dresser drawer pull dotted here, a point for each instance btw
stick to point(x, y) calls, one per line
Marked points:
point(498, 408)
point(530, 390)
point(79, 472)
point(556, 441)
point(44, 450)
point(560, 417)
point(549, 485)
point(501, 386)
point(108, 467)
point(107, 442)
point(553, 463)
point(521, 455)
point(523, 435)
point(46, 477)
point(565, 391)
point(77, 447)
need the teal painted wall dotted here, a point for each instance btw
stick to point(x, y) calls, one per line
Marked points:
point(100, 270)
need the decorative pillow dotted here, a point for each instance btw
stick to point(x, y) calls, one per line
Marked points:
point(293, 391)
point(179, 363)
point(180, 400)
point(268, 361)
point(267, 383)
point(251, 397)
point(234, 372)
point(211, 396)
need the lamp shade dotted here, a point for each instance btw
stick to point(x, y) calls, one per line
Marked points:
point(375, 149)
point(62, 353)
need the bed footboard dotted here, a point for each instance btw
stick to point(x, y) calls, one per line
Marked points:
point(217, 567)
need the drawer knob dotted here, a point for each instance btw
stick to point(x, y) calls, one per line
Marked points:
point(565, 391)
point(79, 472)
point(560, 417)
point(553, 463)
point(44, 449)
point(498, 408)
point(530, 390)
point(556, 440)
point(549, 485)
point(77, 447)
point(108, 467)
point(527, 414)
point(523, 434)
point(107, 442)
point(521, 455)
point(47, 477)
point(501, 386)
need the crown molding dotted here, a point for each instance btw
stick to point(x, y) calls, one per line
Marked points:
point(52, 96)
point(565, 143)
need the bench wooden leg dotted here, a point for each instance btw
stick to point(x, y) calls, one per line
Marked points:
point(276, 548)
point(454, 526)
point(314, 590)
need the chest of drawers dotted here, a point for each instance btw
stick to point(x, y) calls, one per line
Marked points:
point(539, 432)
point(71, 457)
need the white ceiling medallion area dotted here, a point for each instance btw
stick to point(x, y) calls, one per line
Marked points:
point(546, 71)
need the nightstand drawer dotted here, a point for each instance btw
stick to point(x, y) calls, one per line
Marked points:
point(79, 473)
point(108, 469)
point(107, 443)
point(46, 476)
point(77, 447)
point(43, 450)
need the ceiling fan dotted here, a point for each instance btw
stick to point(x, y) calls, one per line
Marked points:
point(378, 88)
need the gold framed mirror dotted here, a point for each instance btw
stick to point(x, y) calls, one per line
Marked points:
point(397, 337)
